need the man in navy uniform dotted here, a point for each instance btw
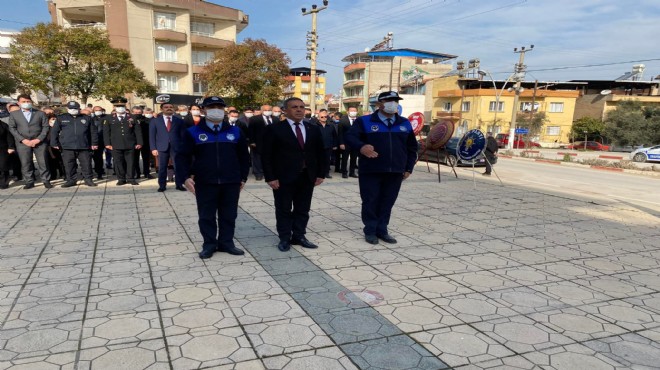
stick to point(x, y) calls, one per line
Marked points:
point(76, 136)
point(388, 151)
point(122, 135)
point(213, 159)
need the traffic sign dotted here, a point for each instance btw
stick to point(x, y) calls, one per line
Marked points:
point(417, 121)
point(522, 131)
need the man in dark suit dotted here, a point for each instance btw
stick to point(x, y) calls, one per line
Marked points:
point(7, 147)
point(145, 151)
point(256, 129)
point(122, 135)
point(162, 130)
point(294, 163)
point(346, 152)
point(30, 128)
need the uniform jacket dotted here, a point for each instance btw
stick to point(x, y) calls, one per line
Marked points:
point(342, 128)
point(6, 138)
point(122, 133)
point(282, 157)
point(37, 128)
point(221, 158)
point(396, 146)
point(73, 133)
point(159, 138)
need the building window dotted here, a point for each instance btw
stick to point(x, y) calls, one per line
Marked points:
point(168, 83)
point(202, 28)
point(319, 86)
point(304, 85)
point(552, 130)
point(556, 107)
point(165, 53)
point(496, 106)
point(465, 107)
point(164, 21)
point(201, 58)
point(446, 106)
point(200, 87)
point(304, 97)
point(527, 106)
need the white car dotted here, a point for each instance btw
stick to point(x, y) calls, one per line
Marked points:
point(646, 154)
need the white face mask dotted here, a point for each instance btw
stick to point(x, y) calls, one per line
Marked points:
point(233, 119)
point(183, 114)
point(194, 112)
point(26, 105)
point(268, 113)
point(98, 113)
point(120, 110)
point(249, 115)
point(149, 115)
point(51, 123)
point(215, 115)
point(352, 114)
point(391, 107)
point(73, 112)
point(276, 114)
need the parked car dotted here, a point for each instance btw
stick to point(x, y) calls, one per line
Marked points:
point(503, 142)
point(624, 148)
point(591, 145)
point(651, 153)
point(447, 155)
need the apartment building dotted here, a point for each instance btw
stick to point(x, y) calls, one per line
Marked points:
point(473, 103)
point(298, 84)
point(598, 97)
point(169, 40)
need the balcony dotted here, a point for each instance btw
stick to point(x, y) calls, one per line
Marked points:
point(176, 67)
point(167, 34)
point(202, 39)
point(98, 25)
point(352, 99)
point(353, 83)
point(447, 115)
point(354, 67)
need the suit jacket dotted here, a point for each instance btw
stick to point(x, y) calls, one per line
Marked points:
point(283, 158)
point(122, 134)
point(159, 138)
point(37, 128)
point(342, 129)
point(6, 138)
point(256, 130)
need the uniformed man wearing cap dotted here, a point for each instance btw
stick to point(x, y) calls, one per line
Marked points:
point(388, 151)
point(75, 134)
point(213, 159)
point(122, 135)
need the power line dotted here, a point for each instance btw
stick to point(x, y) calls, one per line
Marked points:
point(590, 65)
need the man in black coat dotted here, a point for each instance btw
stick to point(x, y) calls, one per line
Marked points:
point(256, 129)
point(122, 135)
point(490, 153)
point(329, 138)
point(145, 151)
point(347, 153)
point(294, 163)
point(7, 147)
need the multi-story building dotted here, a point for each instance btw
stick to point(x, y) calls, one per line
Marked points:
point(473, 103)
point(169, 40)
point(298, 84)
point(367, 73)
point(597, 97)
point(6, 38)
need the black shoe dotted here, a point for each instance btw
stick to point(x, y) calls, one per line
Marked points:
point(284, 246)
point(344, 176)
point(259, 178)
point(121, 182)
point(99, 177)
point(205, 253)
point(148, 177)
point(303, 242)
point(371, 239)
point(48, 185)
point(486, 173)
point(328, 176)
point(387, 238)
point(28, 186)
point(180, 188)
point(353, 176)
point(232, 250)
point(133, 182)
point(90, 183)
point(3, 187)
point(68, 184)
point(160, 190)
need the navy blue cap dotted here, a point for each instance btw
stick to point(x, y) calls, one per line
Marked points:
point(72, 105)
point(389, 95)
point(213, 100)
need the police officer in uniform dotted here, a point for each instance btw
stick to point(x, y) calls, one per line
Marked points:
point(213, 159)
point(76, 136)
point(388, 151)
point(122, 135)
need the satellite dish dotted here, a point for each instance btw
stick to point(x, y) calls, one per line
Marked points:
point(606, 92)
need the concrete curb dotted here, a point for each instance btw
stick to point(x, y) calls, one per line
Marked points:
point(577, 165)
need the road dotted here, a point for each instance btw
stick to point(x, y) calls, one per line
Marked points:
point(639, 190)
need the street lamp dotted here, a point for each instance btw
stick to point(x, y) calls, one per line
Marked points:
point(498, 94)
point(585, 139)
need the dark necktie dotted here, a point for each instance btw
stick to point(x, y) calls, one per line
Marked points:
point(216, 129)
point(168, 123)
point(269, 121)
point(299, 136)
point(389, 122)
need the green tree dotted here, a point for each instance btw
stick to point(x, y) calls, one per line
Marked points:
point(77, 62)
point(633, 124)
point(248, 73)
point(7, 82)
point(593, 126)
point(534, 122)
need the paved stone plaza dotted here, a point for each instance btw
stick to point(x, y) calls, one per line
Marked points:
point(497, 277)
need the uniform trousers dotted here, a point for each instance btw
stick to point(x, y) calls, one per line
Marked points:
point(378, 192)
point(217, 207)
point(292, 223)
point(70, 158)
point(124, 162)
point(26, 154)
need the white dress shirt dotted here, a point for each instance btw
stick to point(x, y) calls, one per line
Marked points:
point(302, 128)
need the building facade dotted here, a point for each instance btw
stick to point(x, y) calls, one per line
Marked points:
point(298, 84)
point(169, 40)
point(597, 97)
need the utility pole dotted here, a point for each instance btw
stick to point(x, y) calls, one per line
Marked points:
point(312, 44)
point(519, 76)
